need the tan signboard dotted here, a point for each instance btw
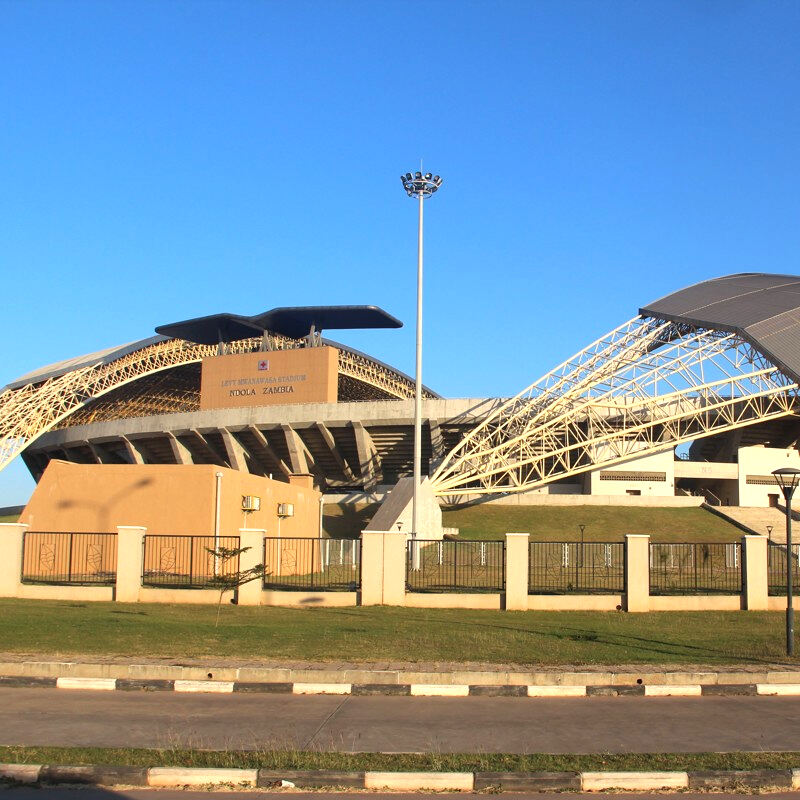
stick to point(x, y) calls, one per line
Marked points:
point(277, 377)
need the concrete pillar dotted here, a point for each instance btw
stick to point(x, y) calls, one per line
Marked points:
point(517, 559)
point(130, 560)
point(383, 568)
point(11, 536)
point(637, 572)
point(250, 593)
point(371, 568)
point(755, 579)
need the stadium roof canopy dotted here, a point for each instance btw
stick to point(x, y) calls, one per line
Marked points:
point(296, 322)
point(762, 309)
point(212, 329)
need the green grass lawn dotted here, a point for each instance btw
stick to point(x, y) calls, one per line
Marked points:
point(603, 523)
point(9, 518)
point(373, 634)
point(396, 762)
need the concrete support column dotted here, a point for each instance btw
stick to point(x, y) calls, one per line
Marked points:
point(250, 593)
point(130, 561)
point(11, 536)
point(755, 579)
point(637, 572)
point(383, 568)
point(517, 559)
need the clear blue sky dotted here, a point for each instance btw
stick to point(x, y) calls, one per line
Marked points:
point(162, 160)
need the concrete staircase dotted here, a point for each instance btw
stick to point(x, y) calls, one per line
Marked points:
point(755, 520)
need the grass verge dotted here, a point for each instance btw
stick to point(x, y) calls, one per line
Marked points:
point(441, 762)
point(379, 634)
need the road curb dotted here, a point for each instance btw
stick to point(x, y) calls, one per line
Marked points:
point(174, 777)
point(534, 690)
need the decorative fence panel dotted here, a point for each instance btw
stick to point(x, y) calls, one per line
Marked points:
point(69, 558)
point(576, 568)
point(776, 568)
point(455, 566)
point(184, 562)
point(312, 564)
point(696, 568)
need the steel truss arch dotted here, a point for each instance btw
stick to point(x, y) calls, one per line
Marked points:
point(32, 410)
point(645, 387)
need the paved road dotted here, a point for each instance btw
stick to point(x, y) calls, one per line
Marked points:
point(61, 717)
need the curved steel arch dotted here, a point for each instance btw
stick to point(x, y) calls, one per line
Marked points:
point(30, 411)
point(646, 387)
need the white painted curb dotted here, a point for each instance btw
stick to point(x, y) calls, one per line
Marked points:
point(22, 773)
point(595, 781)
point(322, 688)
point(556, 691)
point(101, 684)
point(778, 688)
point(177, 776)
point(217, 687)
point(412, 781)
point(676, 690)
point(439, 690)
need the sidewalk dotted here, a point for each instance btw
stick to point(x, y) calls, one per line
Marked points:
point(429, 673)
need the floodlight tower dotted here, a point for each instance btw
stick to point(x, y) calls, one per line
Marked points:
point(419, 186)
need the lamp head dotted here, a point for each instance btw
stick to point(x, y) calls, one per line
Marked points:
point(787, 478)
point(419, 185)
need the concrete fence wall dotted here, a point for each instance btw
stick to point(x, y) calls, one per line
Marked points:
point(383, 580)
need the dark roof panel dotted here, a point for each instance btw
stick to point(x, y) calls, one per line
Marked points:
point(764, 309)
point(212, 329)
point(296, 322)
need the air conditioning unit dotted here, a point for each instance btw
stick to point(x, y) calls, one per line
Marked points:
point(250, 502)
point(285, 509)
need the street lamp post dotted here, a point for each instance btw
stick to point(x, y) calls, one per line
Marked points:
point(769, 533)
point(788, 478)
point(419, 186)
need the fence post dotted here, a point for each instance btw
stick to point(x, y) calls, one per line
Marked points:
point(755, 583)
point(517, 567)
point(250, 593)
point(637, 572)
point(11, 534)
point(130, 557)
point(383, 568)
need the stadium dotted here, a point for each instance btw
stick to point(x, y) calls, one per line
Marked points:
point(712, 370)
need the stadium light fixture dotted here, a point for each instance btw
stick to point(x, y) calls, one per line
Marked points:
point(420, 187)
point(788, 478)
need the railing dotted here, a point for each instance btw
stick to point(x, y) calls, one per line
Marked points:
point(576, 567)
point(87, 559)
point(455, 566)
point(309, 564)
point(696, 568)
point(184, 562)
point(776, 568)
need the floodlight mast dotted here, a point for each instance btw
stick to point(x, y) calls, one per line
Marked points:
point(419, 186)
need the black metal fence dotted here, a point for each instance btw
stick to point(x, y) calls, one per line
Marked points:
point(576, 567)
point(312, 564)
point(696, 568)
point(87, 559)
point(776, 568)
point(455, 566)
point(184, 562)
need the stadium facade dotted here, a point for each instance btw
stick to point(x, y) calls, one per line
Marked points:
point(714, 367)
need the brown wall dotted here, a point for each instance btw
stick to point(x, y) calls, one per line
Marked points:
point(177, 499)
point(277, 377)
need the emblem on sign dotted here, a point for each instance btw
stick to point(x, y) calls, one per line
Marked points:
point(263, 364)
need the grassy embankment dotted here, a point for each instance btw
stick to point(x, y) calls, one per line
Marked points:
point(397, 762)
point(559, 523)
point(378, 634)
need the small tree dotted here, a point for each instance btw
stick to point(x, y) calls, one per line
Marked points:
point(226, 581)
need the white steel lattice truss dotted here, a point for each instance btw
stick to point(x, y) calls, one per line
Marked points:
point(645, 387)
point(32, 410)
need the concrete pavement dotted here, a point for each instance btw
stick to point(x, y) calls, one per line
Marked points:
point(398, 724)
